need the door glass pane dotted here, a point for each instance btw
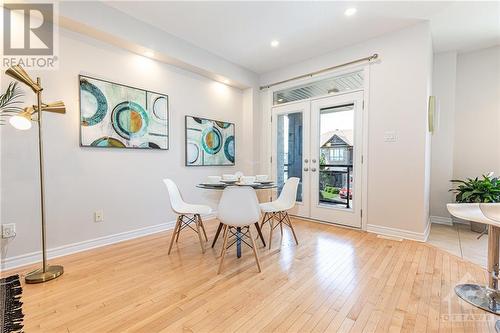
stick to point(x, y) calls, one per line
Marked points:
point(289, 149)
point(336, 183)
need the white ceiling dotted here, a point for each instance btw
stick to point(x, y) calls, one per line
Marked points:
point(241, 31)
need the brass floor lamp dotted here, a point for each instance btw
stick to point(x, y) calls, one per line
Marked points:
point(23, 121)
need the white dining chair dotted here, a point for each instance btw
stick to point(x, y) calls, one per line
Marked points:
point(186, 214)
point(238, 209)
point(278, 210)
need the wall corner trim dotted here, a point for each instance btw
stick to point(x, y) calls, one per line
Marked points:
point(64, 250)
point(400, 233)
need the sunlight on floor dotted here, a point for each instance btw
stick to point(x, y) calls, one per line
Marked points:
point(325, 247)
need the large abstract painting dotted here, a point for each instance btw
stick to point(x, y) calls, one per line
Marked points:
point(209, 142)
point(118, 116)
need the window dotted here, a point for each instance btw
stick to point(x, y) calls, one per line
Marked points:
point(340, 83)
point(337, 154)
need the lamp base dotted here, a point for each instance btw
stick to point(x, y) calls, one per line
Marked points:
point(39, 276)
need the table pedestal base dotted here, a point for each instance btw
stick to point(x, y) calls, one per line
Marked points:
point(486, 298)
point(483, 297)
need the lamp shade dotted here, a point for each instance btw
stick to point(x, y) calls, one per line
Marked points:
point(56, 107)
point(18, 73)
point(20, 122)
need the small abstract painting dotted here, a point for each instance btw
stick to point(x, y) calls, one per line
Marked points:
point(118, 116)
point(209, 142)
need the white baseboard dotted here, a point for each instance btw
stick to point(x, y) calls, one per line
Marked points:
point(447, 220)
point(460, 221)
point(441, 220)
point(399, 233)
point(34, 257)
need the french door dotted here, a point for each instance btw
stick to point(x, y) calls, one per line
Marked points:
point(291, 150)
point(320, 141)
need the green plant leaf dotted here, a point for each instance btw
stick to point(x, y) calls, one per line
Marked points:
point(9, 100)
point(477, 190)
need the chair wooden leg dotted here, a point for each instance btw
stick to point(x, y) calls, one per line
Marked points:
point(259, 233)
point(281, 217)
point(224, 232)
point(271, 231)
point(254, 248)
point(180, 225)
point(177, 226)
point(263, 220)
point(219, 228)
point(202, 227)
point(198, 231)
point(291, 227)
point(224, 244)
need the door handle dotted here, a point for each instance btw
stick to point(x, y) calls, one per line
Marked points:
point(313, 169)
point(306, 169)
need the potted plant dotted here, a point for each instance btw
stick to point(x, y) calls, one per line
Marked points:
point(485, 189)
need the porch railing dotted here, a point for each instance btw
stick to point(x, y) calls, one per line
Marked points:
point(347, 171)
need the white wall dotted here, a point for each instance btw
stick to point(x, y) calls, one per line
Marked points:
point(428, 142)
point(467, 142)
point(399, 88)
point(477, 114)
point(126, 184)
point(444, 86)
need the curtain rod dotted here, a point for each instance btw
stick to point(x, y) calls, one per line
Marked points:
point(368, 59)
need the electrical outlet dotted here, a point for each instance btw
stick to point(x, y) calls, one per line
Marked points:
point(8, 230)
point(99, 216)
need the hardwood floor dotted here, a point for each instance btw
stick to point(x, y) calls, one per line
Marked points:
point(335, 280)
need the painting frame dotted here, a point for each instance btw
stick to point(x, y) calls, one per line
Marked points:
point(186, 141)
point(146, 91)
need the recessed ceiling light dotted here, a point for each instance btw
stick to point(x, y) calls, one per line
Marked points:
point(350, 11)
point(275, 43)
point(149, 54)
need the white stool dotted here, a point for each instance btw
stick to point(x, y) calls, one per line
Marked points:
point(484, 297)
point(183, 209)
